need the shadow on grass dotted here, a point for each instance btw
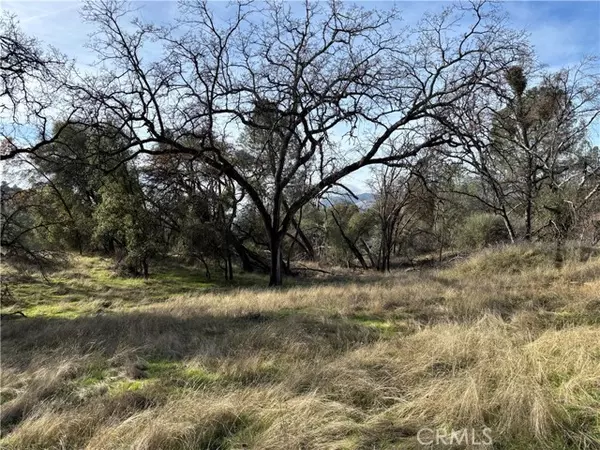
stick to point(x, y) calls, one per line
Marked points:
point(156, 335)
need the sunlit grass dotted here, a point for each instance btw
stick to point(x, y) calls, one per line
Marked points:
point(333, 364)
point(90, 282)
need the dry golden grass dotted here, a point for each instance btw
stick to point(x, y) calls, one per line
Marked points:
point(501, 341)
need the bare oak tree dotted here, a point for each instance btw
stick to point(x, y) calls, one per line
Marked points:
point(308, 93)
point(32, 95)
point(527, 144)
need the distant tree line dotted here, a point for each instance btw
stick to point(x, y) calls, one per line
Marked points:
point(226, 140)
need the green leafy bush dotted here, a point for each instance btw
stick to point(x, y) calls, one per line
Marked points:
point(482, 230)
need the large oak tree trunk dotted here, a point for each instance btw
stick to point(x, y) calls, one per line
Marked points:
point(243, 254)
point(275, 278)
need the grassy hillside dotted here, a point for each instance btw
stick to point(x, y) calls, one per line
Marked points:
point(501, 340)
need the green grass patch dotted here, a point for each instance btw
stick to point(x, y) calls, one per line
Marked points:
point(161, 369)
point(66, 311)
point(182, 373)
point(385, 326)
point(93, 376)
point(197, 376)
point(121, 386)
point(91, 279)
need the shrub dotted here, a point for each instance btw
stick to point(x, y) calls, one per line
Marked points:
point(482, 230)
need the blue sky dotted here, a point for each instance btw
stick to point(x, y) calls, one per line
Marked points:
point(562, 32)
